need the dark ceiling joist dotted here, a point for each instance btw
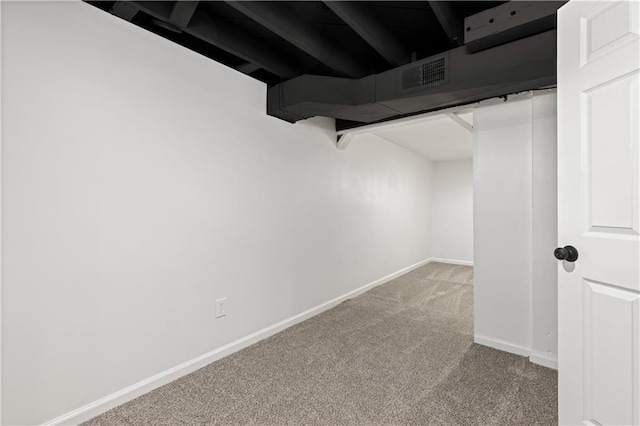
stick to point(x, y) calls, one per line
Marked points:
point(247, 68)
point(281, 20)
point(182, 13)
point(124, 10)
point(509, 21)
point(222, 34)
point(364, 22)
point(450, 22)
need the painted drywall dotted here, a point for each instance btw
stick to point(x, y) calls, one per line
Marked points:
point(451, 235)
point(544, 290)
point(437, 138)
point(141, 182)
point(515, 228)
point(502, 222)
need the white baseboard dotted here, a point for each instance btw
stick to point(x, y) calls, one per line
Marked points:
point(536, 357)
point(502, 345)
point(127, 394)
point(544, 359)
point(452, 261)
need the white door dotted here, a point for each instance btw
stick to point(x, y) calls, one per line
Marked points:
point(599, 212)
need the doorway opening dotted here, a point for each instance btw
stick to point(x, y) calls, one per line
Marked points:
point(493, 206)
point(445, 139)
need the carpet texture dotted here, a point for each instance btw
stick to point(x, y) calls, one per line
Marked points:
point(402, 353)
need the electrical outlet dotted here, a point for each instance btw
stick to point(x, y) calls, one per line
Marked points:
point(221, 307)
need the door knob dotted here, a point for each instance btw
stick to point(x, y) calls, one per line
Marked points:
point(568, 253)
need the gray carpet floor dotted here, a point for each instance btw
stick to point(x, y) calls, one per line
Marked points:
point(402, 353)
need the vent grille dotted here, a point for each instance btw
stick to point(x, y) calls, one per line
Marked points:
point(428, 74)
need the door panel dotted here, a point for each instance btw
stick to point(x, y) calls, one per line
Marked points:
point(609, 357)
point(599, 212)
point(609, 28)
point(613, 188)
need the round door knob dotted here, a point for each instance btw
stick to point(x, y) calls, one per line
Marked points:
point(568, 253)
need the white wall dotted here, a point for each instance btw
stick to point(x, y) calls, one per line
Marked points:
point(544, 290)
point(502, 222)
point(451, 236)
point(141, 182)
point(515, 226)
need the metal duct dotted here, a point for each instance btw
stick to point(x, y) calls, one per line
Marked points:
point(455, 77)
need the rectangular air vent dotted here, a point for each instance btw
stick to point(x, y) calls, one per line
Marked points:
point(428, 74)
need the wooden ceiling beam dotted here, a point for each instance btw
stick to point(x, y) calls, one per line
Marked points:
point(364, 22)
point(509, 21)
point(280, 19)
point(449, 20)
point(247, 68)
point(182, 13)
point(224, 35)
point(124, 10)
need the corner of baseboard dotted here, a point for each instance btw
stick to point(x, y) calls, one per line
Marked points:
point(451, 261)
point(501, 345)
point(544, 359)
point(536, 357)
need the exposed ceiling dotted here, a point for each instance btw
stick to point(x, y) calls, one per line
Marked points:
point(364, 61)
point(274, 41)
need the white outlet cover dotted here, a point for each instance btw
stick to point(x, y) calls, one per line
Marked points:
point(221, 307)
